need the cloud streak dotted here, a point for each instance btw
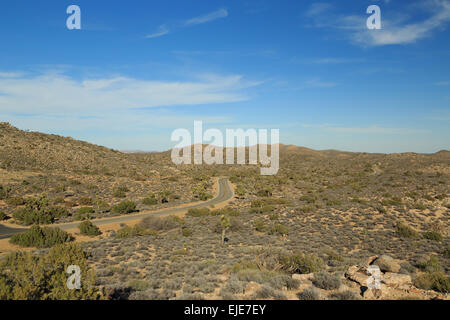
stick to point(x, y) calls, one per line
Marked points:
point(164, 29)
point(395, 30)
point(58, 93)
point(218, 14)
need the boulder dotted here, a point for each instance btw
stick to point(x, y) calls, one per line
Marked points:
point(387, 264)
point(396, 279)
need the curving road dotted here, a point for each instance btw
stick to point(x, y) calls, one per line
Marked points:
point(225, 193)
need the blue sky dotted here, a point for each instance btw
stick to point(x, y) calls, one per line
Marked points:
point(137, 70)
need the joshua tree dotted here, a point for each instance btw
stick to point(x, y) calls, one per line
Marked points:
point(225, 223)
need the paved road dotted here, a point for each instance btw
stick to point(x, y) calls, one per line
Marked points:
point(225, 193)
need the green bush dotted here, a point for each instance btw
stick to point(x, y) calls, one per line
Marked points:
point(279, 229)
point(302, 263)
point(259, 225)
point(3, 216)
point(84, 213)
point(24, 276)
point(135, 231)
point(28, 217)
point(326, 281)
point(149, 201)
point(430, 265)
point(89, 229)
point(309, 294)
point(124, 207)
point(405, 231)
point(161, 223)
point(120, 192)
point(436, 281)
point(447, 252)
point(198, 212)
point(231, 212)
point(41, 237)
point(345, 295)
point(187, 232)
point(85, 201)
point(433, 235)
point(15, 201)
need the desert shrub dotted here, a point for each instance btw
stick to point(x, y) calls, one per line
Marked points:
point(15, 201)
point(430, 265)
point(41, 237)
point(264, 209)
point(308, 199)
point(433, 235)
point(405, 231)
point(204, 196)
point(333, 257)
point(274, 216)
point(259, 203)
point(3, 216)
point(120, 192)
point(161, 224)
point(309, 294)
point(267, 292)
point(234, 286)
point(24, 276)
point(283, 280)
point(198, 212)
point(101, 206)
point(84, 213)
point(447, 252)
point(57, 212)
point(124, 207)
point(135, 231)
point(302, 263)
point(3, 192)
point(150, 201)
point(326, 281)
point(264, 193)
point(279, 229)
point(85, 201)
point(89, 229)
point(28, 217)
point(345, 295)
point(259, 225)
point(226, 211)
point(436, 281)
point(186, 232)
point(407, 268)
point(243, 265)
point(139, 285)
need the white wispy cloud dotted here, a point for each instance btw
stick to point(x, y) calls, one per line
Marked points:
point(10, 74)
point(442, 83)
point(58, 93)
point(318, 83)
point(372, 130)
point(218, 14)
point(318, 8)
point(335, 61)
point(162, 30)
point(396, 30)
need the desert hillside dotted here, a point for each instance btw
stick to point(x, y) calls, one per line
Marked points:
point(309, 232)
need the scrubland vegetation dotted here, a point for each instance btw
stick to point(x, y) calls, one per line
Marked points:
point(290, 236)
